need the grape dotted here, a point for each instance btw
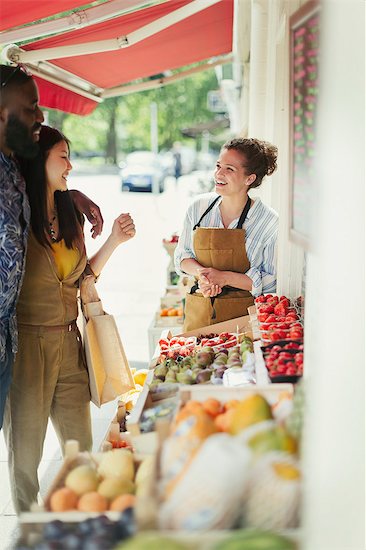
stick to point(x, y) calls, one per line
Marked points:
point(49, 545)
point(126, 524)
point(72, 542)
point(53, 530)
point(97, 542)
point(85, 527)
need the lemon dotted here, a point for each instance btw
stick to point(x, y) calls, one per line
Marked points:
point(140, 376)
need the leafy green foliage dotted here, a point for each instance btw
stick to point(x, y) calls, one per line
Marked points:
point(121, 125)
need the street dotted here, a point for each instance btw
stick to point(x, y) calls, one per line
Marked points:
point(135, 277)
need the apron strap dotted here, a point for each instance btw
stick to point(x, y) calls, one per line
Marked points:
point(206, 212)
point(244, 214)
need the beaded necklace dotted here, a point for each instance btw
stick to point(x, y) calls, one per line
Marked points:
point(51, 230)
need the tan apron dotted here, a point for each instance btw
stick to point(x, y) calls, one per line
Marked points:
point(222, 249)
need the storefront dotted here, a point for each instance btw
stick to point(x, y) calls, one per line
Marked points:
point(323, 260)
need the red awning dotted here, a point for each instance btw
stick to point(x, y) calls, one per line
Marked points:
point(198, 37)
point(14, 13)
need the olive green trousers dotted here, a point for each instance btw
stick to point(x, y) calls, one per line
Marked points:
point(50, 380)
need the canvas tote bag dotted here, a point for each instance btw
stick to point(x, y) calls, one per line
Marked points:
point(109, 371)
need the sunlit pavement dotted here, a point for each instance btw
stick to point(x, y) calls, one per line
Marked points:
point(130, 287)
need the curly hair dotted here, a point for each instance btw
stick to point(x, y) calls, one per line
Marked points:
point(259, 157)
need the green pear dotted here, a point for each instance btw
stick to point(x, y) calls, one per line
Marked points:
point(184, 378)
point(161, 371)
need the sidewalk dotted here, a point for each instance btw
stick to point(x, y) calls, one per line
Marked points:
point(130, 286)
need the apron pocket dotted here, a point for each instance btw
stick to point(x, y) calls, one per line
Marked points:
point(220, 259)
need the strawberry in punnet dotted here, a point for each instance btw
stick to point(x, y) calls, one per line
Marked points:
point(260, 299)
point(265, 309)
point(281, 309)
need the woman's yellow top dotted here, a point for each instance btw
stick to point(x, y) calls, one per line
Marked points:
point(66, 258)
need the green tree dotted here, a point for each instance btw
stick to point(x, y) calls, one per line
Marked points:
point(122, 124)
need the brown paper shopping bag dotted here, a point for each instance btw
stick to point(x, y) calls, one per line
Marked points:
point(109, 371)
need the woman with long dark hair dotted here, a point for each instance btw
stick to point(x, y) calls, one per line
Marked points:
point(50, 379)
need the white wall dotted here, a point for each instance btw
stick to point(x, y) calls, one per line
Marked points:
point(334, 331)
point(334, 513)
point(265, 114)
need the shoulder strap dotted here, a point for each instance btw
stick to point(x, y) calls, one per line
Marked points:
point(206, 212)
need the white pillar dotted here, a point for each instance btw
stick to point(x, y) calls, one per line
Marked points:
point(334, 461)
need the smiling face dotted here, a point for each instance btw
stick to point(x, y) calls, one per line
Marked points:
point(230, 175)
point(21, 118)
point(58, 167)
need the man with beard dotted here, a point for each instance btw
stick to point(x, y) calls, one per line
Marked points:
point(20, 123)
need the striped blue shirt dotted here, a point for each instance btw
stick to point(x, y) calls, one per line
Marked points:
point(261, 230)
point(14, 224)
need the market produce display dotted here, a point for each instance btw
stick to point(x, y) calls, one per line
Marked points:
point(97, 533)
point(256, 454)
point(200, 397)
point(183, 362)
point(281, 330)
point(108, 481)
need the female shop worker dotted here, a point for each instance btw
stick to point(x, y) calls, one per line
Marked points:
point(50, 378)
point(229, 240)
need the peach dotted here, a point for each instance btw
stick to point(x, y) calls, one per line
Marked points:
point(122, 502)
point(92, 502)
point(63, 499)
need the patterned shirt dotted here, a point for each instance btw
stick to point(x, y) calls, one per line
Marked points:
point(261, 230)
point(14, 225)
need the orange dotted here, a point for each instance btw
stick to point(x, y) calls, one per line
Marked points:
point(212, 406)
point(191, 408)
point(194, 406)
point(122, 502)
point(63, 499)
point(231, 404)
point(92, 502)
point(223, 421)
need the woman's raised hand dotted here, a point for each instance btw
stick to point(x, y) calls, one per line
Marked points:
point(123, 228)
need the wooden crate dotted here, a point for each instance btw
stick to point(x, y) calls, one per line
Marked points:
point(41, 515)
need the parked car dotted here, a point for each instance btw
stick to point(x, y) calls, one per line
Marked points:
point(142, 171)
